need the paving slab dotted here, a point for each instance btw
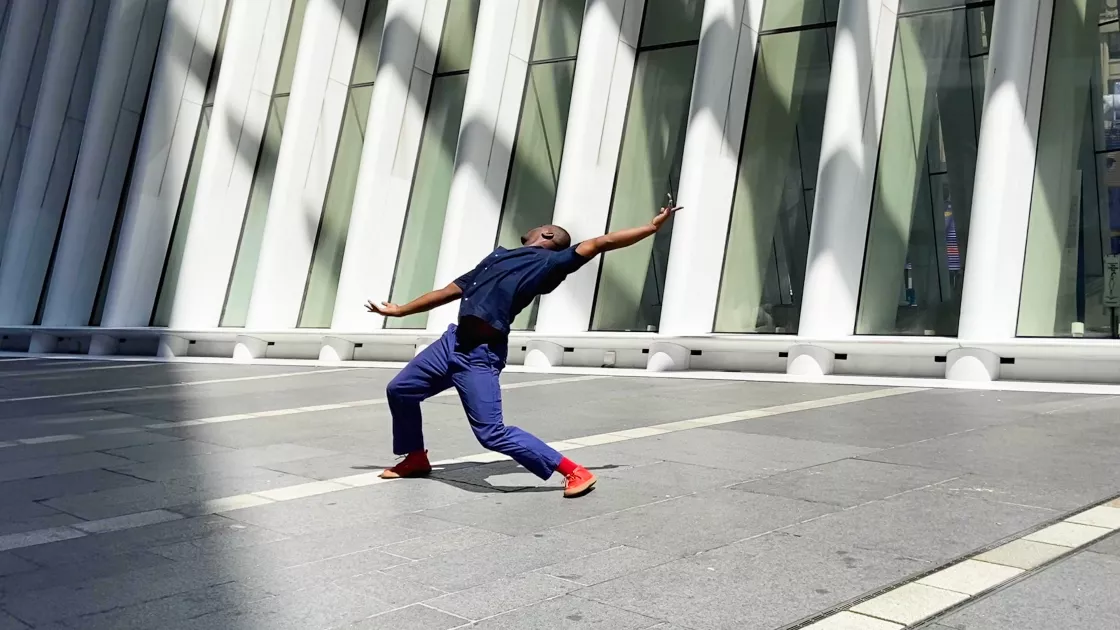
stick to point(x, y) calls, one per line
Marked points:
point(569, 613)
point(486, 563)
point(765, 582)
point(758, 455)
point(500, 596)
point(1078, 592)
point(419, 617)
point(695, 523)
point(924, 524)
point(847, 482)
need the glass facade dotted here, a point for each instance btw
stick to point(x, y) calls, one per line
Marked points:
point(535, 166)
point(240, 289)
point(915, 258)
point(435, 165)
point(1073, 236)
point(632, 280)
point(768, 237)
point(330, 241)
point(169, 281)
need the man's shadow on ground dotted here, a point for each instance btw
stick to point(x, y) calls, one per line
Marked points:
point(474, 476)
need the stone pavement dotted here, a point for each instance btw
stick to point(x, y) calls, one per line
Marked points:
point(189, 495)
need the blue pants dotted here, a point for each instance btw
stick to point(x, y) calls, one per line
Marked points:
point(473, 371)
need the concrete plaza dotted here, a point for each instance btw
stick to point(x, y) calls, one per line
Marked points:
point(199, 495)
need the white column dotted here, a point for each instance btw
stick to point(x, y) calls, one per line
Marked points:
point(600, 93)
point(857, 94)
point(22, 59)
point(52, 151)
point(186, 50)
point(1001, 200)
point(491, 110)
point(396, 124)
point(121, 84)
point(319, 87)
point(254, 40)
point(721, 88)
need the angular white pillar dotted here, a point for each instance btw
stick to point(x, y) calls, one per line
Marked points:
point(254, 41)
point(1001, 200)
point(22, 58)
point(52, 152)
point(112, 122)
point(857, 94)
point(393, 133)
point(600, 94)
point(491, 110)
point(186, 50)
point(721, 88)
point(320, 84)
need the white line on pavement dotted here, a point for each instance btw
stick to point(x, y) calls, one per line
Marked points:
point(212, 381)
point(280, 412)
point(68, 370)
point(313, 488)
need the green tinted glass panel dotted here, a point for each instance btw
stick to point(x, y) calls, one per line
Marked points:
point(794, 13)
point(531, 192)
point(915, 256)
point(764, 264)
point(1073, 233)
point(170, 281)
point(326, 264)
point(291, 48)
point(252, 230)
point(458, 36)
point(558, 28)
point(423, 229)
point(369, 45)
point(632, 279)
point(910, 6)
point(671, 21)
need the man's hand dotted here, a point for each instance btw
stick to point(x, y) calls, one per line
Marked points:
point(663, 216)
point(386, 309)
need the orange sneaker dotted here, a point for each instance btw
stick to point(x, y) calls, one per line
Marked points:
point(413, 465)
point(579, 483)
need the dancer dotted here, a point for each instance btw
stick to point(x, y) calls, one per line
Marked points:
point(470, 356)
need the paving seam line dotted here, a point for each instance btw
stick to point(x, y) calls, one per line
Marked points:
point(921, 599)
point(361, 480)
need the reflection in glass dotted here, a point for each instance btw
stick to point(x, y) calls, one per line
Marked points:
point(793, 13)
point(169, 282)
point(240, 288)
point(334, 224)
point(631, 280)
point(1075, 210)
point(535, 169)
point(435, 164)
point(914, 263)
point(768, 240)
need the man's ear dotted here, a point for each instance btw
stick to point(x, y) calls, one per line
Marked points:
point(548, 235)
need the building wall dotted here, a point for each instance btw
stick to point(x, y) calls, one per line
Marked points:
point(886, 187)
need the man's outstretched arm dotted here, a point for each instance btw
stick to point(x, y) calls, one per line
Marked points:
point(426, 302)
point(624, 238)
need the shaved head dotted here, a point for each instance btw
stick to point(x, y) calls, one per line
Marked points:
point(548, 236)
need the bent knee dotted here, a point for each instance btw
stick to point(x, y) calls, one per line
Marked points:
point(492, 439)
point(396, 389)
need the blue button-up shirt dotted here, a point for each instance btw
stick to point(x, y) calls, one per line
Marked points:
point(508, 280)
